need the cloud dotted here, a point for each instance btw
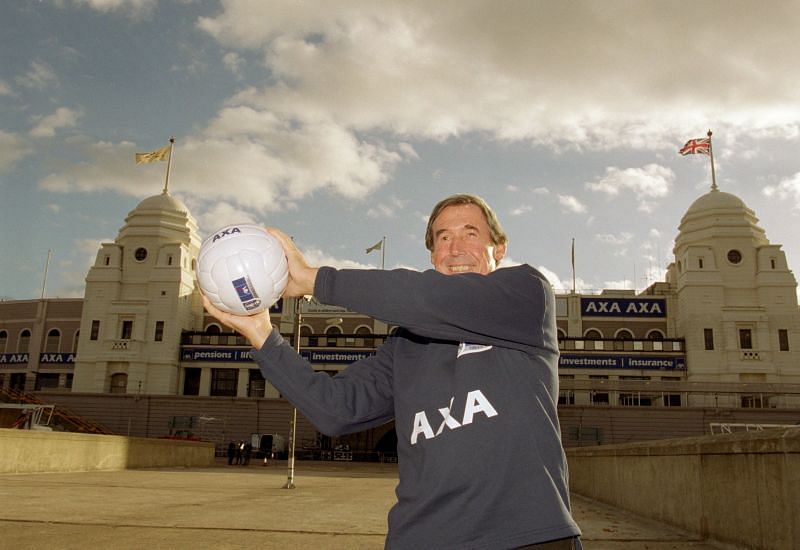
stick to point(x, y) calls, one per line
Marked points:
point(40, 76)
point(234, 62)
point(521, 209)
point(788, 188)
point(136, 9)
point(61, 118)
point(560, 285)
point(649, 182)
point(5, 89)
point(12, 149)
point(619, 239)
point(571, 204)
point(548, 73)
point(387, 208)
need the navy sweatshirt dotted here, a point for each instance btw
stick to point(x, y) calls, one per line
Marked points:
point(471, 380)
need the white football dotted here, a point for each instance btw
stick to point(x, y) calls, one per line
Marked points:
point(242, 269)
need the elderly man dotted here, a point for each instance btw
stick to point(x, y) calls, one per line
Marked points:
point(470, 379)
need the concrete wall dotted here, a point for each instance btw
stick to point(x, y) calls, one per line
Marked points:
point(24, 451)
point(742, 489)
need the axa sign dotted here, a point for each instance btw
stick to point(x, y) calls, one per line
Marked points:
point(623, 307)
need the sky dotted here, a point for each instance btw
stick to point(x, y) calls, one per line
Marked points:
point(344, 122)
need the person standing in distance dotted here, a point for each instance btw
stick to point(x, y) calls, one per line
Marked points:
point(470, 379)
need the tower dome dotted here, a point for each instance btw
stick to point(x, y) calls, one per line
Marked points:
point(161, 216)
point(719, 214)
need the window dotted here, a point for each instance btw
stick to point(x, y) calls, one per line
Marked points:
point(593, 334)
point(256, 385)
point(95, 330)
point(772, 263)
point(159, 335)
point(119, 383)
point(332, 332)
point(140, 254)
point(599, 397)
point(708, 337)
point(3, 341)
point(47, 381)
point(745, 338)
point(655, 334)
point(108, 260)
point(700, 263)
point(734, 257)
point(127, 330)
point(783, 339)
point(191, 381)
point(24, 341)
point(224, 382)
point(53, 340)
point(75, 341)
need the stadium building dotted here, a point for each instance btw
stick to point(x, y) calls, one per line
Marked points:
point(715, 344)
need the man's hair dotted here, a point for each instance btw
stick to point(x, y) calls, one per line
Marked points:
point(496, 232)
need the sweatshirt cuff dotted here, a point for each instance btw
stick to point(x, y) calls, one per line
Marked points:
point(323, 282)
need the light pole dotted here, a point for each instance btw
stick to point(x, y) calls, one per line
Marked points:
point(293, 424)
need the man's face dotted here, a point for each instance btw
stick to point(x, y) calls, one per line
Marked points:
point(462, 242)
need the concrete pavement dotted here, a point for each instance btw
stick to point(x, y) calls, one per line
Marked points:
point(334, 505)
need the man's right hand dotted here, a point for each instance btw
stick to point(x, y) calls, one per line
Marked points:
point(301, 275)
point(255, 328)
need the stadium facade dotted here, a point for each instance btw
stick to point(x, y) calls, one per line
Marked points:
point(718, 339)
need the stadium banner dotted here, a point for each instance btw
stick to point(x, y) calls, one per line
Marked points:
point(624, 307)
point(624, 362)
point(58, 358)
point(13, 358)
point(236, 355)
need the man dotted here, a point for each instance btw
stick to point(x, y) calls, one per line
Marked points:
point(470, 379)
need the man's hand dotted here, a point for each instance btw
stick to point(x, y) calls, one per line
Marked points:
point(301, 275)
point(255, 328)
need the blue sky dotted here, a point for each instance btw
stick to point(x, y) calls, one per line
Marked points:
point(343, 122)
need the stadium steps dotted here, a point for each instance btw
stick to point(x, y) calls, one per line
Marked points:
point(64, 418)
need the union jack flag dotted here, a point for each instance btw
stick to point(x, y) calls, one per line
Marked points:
point(697, 146)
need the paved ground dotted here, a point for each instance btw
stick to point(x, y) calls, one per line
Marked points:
point(334, 505)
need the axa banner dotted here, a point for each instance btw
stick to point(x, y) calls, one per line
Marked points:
point(623, 307)
point(626, 362)
point(61, 358)
point(13, 358)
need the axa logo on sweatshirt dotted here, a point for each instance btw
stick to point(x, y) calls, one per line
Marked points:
point(475, 403)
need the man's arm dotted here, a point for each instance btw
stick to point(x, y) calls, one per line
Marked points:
point(358, 398)
point(512, 307)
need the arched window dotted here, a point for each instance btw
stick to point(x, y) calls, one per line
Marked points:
point(53, 340)
point(306, 338)
point(24, 341)
point(213, 329)
point(119, 383)
point(363, 329)
point(364, 336)
point(593, 334)
point(620, 338)
point(561, 334)
point(3, 341)
point(332, 331)
point(655, 334)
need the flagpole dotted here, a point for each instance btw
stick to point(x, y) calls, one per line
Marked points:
point(383, 252)
point(711, 154)
point(573, 265)
point(169, 163)
point(46, 267)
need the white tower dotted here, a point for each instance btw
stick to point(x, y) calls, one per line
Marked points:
point(140, 295)
point(737, 298)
